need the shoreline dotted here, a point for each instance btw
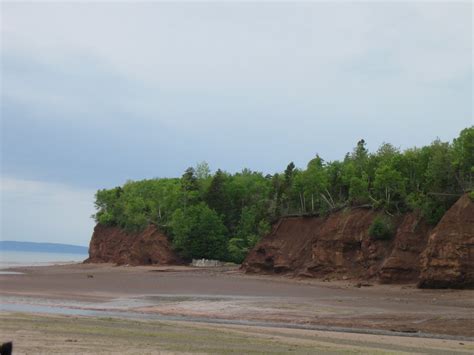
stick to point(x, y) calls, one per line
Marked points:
point(228, 295)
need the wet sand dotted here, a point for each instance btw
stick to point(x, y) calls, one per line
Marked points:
point(228, 296)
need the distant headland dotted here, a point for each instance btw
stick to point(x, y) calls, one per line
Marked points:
point(10, 245)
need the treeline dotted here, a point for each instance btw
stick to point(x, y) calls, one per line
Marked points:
point(222, 215)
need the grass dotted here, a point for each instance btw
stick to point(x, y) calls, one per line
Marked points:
point(61, 334)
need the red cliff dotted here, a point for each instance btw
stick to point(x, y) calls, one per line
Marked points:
point(339, 246)
point(113, 245)
point(448, 260)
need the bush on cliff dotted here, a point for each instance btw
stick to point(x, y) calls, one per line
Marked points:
point(381, 228)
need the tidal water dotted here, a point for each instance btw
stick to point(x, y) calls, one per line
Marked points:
point(10, 259)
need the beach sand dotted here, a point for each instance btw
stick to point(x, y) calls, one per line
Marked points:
point(261, 313)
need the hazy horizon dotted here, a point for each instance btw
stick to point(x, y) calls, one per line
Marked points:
point(146, 90)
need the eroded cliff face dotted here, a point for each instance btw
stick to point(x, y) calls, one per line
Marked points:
point(339, 247)
point(113, 245)
point(286, 249)
point(448, 260)
point(336, 246)
point(342, 247)
point(403, 263)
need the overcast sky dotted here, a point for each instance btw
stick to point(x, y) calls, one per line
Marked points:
point(95, 94)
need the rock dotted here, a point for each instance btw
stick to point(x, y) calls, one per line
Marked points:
point(403, 263)
point(114, 245)
point(342, 247)
point(448, 260)
point(286, 249)
point(334, 247)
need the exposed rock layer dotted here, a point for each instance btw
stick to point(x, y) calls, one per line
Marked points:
point(113, 245)
point(448, 260)
point(403, 263)
point(339, 247)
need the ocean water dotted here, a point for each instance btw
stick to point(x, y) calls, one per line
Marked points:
point(9, 259)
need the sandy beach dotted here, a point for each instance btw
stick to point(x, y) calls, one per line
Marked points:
point(225, 300)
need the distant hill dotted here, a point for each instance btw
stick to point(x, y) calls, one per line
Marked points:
point(9, 245)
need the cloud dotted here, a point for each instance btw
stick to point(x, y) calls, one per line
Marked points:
point(143, 90)
point(94, 94)
point(40, 211)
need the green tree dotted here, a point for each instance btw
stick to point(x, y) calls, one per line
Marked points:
point(463, 158)
point(108, 205)
point(198, 232)
point(359, 190)
point(216, 196)
point(389, 187)
point(189, 187)
point(315, 180)
point(203, 171)
point(360, 157)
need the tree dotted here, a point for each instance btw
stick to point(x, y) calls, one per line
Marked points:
point(107, 202)
point(298, 188)
point(203, 171)
point(389, 187)
point(337, 189)
point(216, 196)
point(463, 158)
point(360, 157)
point(359, 190)
point(316, 184)
point(427, 179)
point(198, 232)
point(289, 172)
point(189, 186)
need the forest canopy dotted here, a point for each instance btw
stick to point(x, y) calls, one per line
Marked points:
point(222, 215)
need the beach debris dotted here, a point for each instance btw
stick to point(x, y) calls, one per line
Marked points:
point(89, 276)
point(361, 284)
point(206, 263)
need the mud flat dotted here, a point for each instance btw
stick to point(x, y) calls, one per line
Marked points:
point(226, 297)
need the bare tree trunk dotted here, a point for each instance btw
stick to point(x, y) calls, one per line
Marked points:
point(301, 202)
point(327, 201)
point(330, 197)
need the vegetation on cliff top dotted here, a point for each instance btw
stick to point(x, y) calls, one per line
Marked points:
point(223, 215)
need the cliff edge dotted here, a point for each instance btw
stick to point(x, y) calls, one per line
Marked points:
point(339, 246)
point(113, 245)
point(448, 260)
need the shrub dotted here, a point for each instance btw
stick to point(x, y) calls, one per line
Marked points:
point(381, 228)
point(238, 248)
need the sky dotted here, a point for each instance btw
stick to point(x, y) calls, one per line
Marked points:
point(94, 94)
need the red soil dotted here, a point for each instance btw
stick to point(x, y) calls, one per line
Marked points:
point(448, 260)
point(113, 245)
point(339, 247)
